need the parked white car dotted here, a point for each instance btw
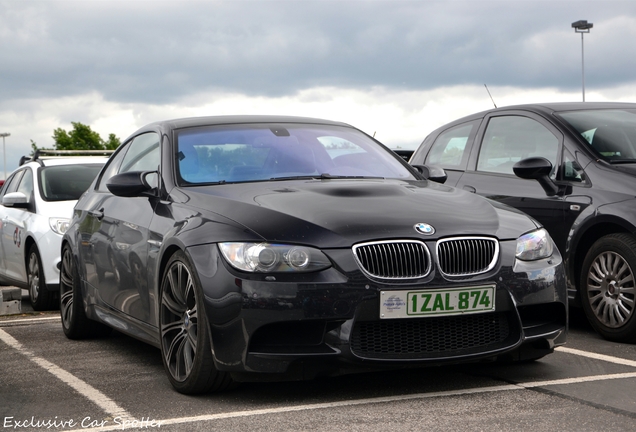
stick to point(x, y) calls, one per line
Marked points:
point(37, 205)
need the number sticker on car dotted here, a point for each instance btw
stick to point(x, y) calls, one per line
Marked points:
point(454, 301)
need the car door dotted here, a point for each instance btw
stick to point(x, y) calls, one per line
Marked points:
point(118, 232)
point(6, 232)
point(504, 139)
point(15, 225)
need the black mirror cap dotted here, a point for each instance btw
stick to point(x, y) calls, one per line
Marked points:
point(432, 173)
point(128, 184)
point(537, 168)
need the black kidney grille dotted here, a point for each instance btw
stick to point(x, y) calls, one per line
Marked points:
point(428, 337)
point(394, 259)
point(467, 255)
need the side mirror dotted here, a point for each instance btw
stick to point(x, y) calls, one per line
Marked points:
point(432, 173)
point(537, 168)
point(131, 184)
point(15, 199)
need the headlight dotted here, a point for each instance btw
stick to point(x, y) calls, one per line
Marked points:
point(269, 258)
point(59, 225)
point(534, 245)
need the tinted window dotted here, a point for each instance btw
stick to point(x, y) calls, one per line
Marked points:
point(262, 152)
point(611, 133)
point(66, 182)
point(509, 139)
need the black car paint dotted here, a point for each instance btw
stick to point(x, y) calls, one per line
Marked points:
point(298, 324)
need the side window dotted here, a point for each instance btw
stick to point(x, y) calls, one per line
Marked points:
point(141, 154)
point(449, 149)
point(509, 139)
point(11, 183)
point(111, 168)
point(571, 171)
point(26, 184)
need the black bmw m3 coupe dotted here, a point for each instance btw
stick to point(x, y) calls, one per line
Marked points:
point(274, 248)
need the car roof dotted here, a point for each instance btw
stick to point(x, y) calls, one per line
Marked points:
point(233, 119)
point(549, 108)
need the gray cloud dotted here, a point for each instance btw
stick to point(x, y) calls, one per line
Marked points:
point(160, 51)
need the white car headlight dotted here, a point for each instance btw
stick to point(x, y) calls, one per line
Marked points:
point(59, 225)
point(269, 258)
point(534, 245)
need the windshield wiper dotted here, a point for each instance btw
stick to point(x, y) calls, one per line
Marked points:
point(621, 161)
point(327, 176)
point(324, 176)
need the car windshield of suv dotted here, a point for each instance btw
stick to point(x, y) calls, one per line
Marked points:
point(262, 152)
point(66, 182)
point(610, 132)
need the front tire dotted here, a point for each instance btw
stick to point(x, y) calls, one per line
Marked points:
point(185, 340)
point(608, 287)
point(74, 321)
point(41, 298)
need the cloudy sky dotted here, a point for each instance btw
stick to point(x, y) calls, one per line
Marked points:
point(394, 68)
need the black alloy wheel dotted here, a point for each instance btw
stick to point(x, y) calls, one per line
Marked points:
point(608, 287)
point(41, 298)
point(185, 340)
point(74, 321)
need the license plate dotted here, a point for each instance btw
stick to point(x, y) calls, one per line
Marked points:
point(453, 301)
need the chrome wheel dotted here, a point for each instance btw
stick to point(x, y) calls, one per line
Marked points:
point(610, 289)
point(179, 321)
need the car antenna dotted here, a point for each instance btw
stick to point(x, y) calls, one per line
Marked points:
point(493, 101)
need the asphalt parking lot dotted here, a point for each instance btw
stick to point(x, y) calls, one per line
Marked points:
point(116, 383)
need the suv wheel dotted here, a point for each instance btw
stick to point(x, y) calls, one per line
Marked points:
point(41, 298)
point(608, 287)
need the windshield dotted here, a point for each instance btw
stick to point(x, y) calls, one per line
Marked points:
point(257, 152)
point(66, 182)
point(610, 132)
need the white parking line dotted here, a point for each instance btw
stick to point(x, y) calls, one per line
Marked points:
point(86, 390)
point(25, 321)
point(311, 407)
point(124, 418)
point(596, 356)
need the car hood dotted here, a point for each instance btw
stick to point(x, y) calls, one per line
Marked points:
point(339, 213)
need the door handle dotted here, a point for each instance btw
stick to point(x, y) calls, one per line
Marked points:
point(469, 188)
point(97, 214)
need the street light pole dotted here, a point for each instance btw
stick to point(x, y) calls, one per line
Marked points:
point(582, 26)
point(4, 153)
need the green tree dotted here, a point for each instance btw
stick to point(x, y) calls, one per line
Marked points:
point(82, 137)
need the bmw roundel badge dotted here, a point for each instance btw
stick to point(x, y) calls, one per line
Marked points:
point(424, 228)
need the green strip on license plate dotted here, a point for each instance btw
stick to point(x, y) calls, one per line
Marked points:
point(454, 301)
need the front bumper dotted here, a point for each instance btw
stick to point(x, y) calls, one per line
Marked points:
point(299, 326)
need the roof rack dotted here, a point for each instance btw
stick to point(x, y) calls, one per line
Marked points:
point(63, 153)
